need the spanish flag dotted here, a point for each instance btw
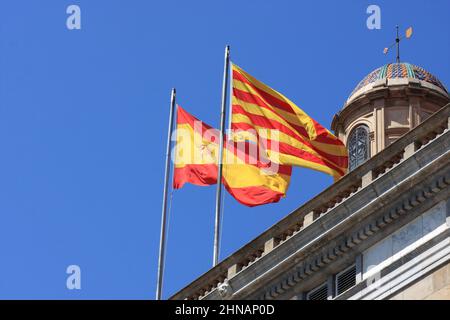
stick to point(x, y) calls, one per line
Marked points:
point(288, 134)
point(251, 179)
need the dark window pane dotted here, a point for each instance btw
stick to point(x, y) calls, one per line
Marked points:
point(358, 146)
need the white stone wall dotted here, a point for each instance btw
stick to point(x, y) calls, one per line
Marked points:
point(401, 242)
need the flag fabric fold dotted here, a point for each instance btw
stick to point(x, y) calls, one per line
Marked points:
point(287, 133)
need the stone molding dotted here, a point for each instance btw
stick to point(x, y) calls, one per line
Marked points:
point(340, 199)
point(316, 261)
point(400, 274)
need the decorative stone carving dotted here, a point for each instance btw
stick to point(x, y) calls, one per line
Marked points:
point(224, 290)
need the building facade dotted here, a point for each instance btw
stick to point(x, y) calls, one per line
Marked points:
point(380, 232)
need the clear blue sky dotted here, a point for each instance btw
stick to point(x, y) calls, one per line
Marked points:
point(83, 120)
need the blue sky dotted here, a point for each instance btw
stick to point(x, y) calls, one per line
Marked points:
point(83, 120)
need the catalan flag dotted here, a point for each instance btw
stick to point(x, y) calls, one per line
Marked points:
point(250, 179)
point(288, 134)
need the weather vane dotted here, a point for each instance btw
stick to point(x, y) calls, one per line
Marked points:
point(407, 35)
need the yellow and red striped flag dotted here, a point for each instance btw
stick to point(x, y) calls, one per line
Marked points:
point(288, 134)
point(247, 177)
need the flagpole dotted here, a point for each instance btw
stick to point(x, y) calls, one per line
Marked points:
point(219, 173)
point(162, 242)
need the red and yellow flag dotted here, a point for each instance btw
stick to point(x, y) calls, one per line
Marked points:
point(250, 179)
point(288, 134)
point(195, 152)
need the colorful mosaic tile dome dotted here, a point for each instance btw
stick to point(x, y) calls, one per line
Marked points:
point(399, 70)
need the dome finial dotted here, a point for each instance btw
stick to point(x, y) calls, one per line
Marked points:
point(407, 35)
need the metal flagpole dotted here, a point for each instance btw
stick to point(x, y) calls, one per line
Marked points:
point(219, 173)
point(162, 243)
point(230, 105)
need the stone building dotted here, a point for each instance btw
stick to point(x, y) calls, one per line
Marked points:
point(380, 232)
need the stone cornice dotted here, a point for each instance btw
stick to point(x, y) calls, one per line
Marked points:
point(337, 198)
point(312, 245)
point(408, 85)
point(357, 238)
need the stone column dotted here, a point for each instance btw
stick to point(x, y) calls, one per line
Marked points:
point(380, 134)
point(414, 112)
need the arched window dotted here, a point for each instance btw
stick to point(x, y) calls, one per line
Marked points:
point(358, 146)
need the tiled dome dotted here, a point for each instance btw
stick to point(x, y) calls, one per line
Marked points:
point(399, 70)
